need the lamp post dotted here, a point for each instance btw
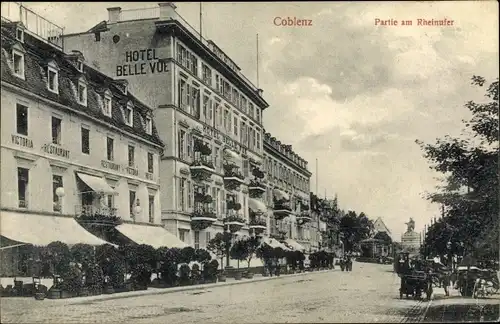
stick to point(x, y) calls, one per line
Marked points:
point(137, 210)
point(60, 194)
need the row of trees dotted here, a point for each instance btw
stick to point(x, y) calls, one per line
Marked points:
point(347, 228)
point(469, 194)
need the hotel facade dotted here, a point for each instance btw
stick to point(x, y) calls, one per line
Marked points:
point(75, 143)
point(214, 170)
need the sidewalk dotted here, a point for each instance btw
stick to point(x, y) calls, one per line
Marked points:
point(160, 291)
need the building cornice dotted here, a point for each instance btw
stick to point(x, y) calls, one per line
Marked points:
point(175, 28)
point(272, 151)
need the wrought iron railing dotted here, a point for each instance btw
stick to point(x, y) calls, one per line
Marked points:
point(89, 210)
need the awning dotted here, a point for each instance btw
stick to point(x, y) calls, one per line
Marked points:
point(257, 206)
point(151, 235)
point(274, 243)
point(97, 184)
point(294, 245)
point(42, 230)
point(231, 155)
point(280, 194)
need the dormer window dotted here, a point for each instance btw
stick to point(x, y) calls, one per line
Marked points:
point(129, 115)
point(18, 61)
point(107, 104)
point(149, 125)
point(53, 77)
point(82, 92)
point(79, 65)
point(20, 35)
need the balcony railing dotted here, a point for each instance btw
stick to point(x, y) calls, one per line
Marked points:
point(90, 210)
point(282, 205)
point(234, 174)
point(34, 23)
point(203, 161)
point(258, 222)
point(256, 184)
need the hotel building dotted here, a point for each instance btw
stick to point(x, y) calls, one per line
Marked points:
point(75, 144)
point(207, 113)
point(288, 196)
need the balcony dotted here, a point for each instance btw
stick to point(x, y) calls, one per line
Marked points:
point(281, 209)
point(303, 218)
point(280, 235)
point(258, 224)
point(234, 223)
point(104, 216)
point(256, 188)
point(232, 177)
point(202, 218)
point(202, 168)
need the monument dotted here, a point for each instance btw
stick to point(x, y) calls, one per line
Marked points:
point(410, 240)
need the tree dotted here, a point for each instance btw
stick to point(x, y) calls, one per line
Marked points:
point(469, 193)
point(219, 245)
point(354, 228)
point(239, 251)
point(245, 249)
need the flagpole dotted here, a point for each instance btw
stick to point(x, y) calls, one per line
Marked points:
point(201, 23)
point(257, 54)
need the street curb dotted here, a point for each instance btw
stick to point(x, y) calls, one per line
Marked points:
point(161, 291)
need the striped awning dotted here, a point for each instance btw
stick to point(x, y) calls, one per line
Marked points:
point(280, 195)
point(257, 206)
point(231, 155)
point(295, 245)
point(97, 184)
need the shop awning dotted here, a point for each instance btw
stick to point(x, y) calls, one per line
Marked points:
point(97, 184)
point(295, 245)
point(231, 155)
point(278, 194)
point(257, 206)
point(42, 230)
point(274, 243)
point(155, 236)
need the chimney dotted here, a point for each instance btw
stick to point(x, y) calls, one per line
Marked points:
point(260, 92)
point(167, 10)
point(114, 14)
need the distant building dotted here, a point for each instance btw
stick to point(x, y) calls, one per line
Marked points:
point(380, 243)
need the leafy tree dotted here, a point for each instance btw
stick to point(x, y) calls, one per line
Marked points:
point(83, 253)
point(220, 245)
point(239, 251)
point(355, 228)
point(469, 163)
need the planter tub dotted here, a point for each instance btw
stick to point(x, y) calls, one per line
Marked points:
point(66, 294)
point(84, 292)
point(238, 275)
point(54, 294)
point(221, 278)
point(249, 275)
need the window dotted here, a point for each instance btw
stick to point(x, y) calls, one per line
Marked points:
point(22, 187)
point(107, 105)
point(129, 115)
point(207, 74)
point(110, 201)
point(196, 239)
point(131, 200)
point(243, 133)
point(79, 66)
point(235, 126)
point(82, 93)
point(189, 194)
point(208, 237)
point(56, 130)
point(151, 209)
point(85, 141)
point(236, 98)
point(182, 235)
point(52, 80)
point(22, 119)
point(110, 149)
point(150, 163)
point(254, 138)
point(193, 64)
point(218, 84)
point(257, 114)
point(149, 125)
point(195, 102)
point(131, 156)
point(206, 103)
point(226, 117)
point(245, 168)
point(250, 110)
point(20, 35)
point(216, 156)
point(57, 182)
point(183, 93)
point(258, 140)
point(18, 60)
point(181, 142)
point(182, 194)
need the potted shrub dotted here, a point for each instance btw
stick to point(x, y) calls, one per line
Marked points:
point(94, 279)
point(239, 251)
point(112, 265)
point(219, 245)
point(184, 275)
point(252, 244)
point(196, 274)
point(168, 261)
point(210, 271)
point(71, 282)
point(188, 254)
point(58, 256)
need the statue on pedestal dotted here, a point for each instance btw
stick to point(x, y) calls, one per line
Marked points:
point(410, 226)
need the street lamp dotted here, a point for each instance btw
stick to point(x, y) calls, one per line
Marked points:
point(137, 210)
point(60, 193)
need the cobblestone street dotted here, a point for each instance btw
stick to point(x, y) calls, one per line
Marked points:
point(368, 294)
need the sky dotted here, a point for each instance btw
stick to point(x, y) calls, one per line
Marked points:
point(349, 92)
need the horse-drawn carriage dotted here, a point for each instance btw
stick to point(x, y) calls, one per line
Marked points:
point(415, 283)
point(476, 282)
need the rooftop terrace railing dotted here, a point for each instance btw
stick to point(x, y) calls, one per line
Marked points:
point(34, 23)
